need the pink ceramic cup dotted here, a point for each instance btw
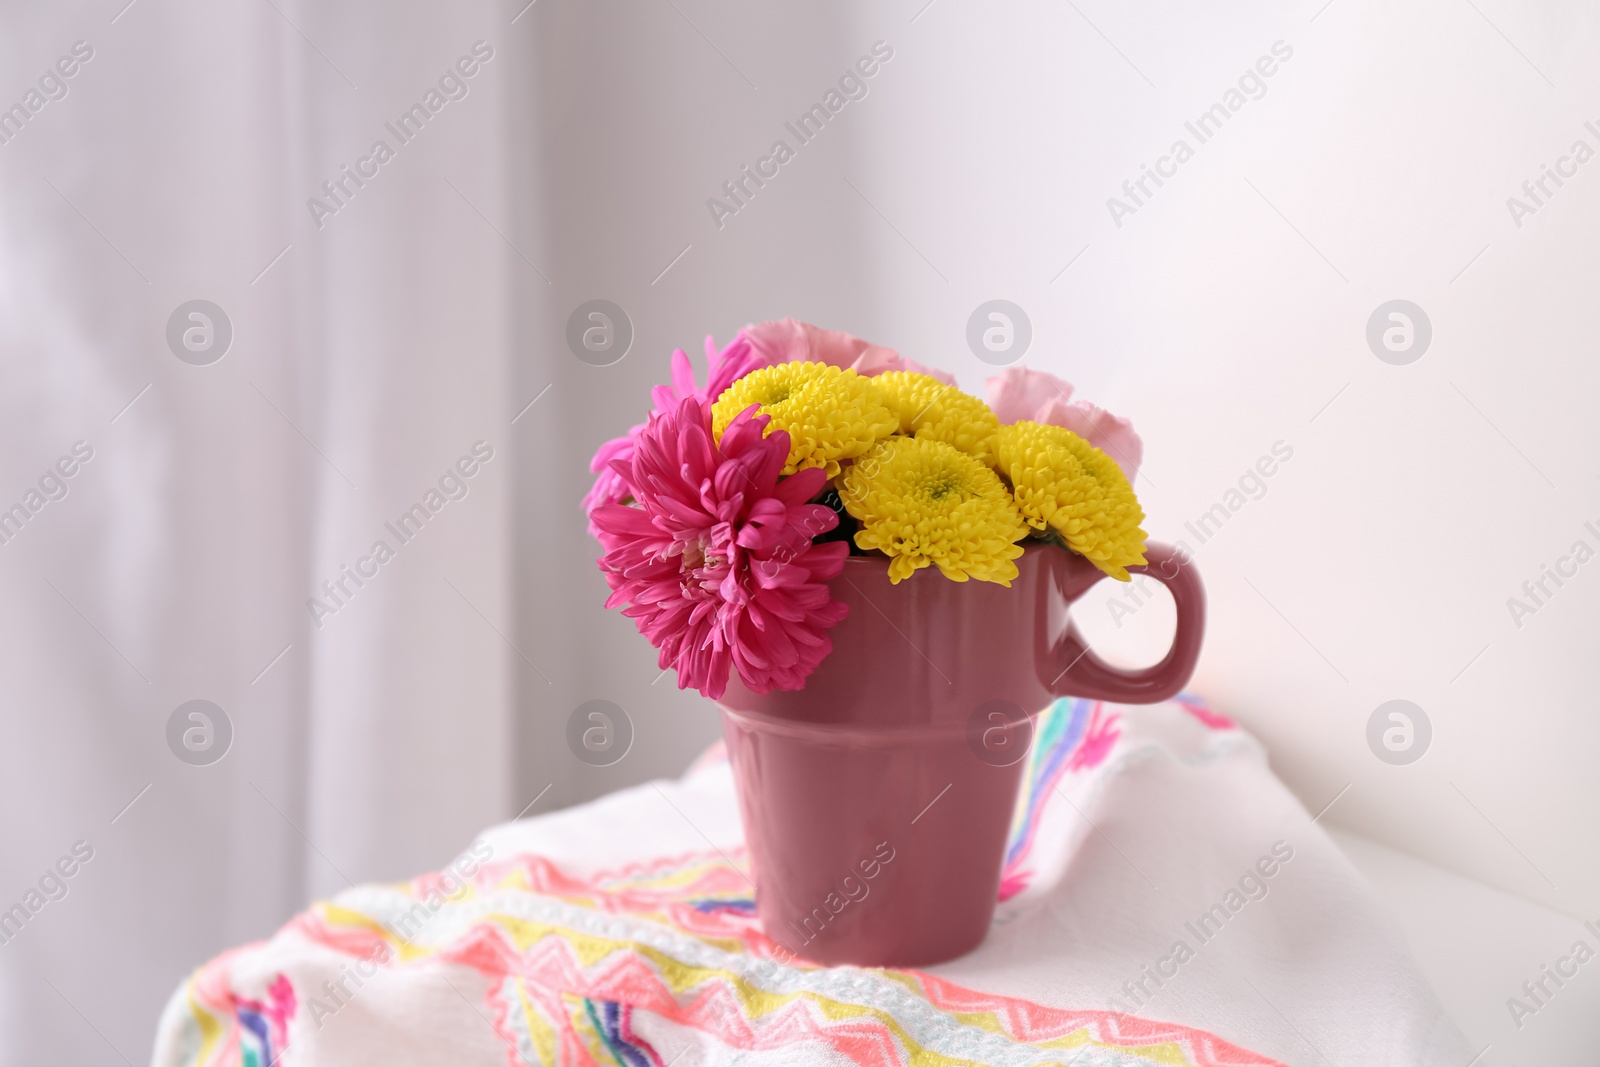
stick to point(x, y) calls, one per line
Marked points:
point(876, 801)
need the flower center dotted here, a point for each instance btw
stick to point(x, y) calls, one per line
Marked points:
point(701, 567)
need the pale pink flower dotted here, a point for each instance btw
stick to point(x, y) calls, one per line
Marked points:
point(1017, 394)
point(722, 370)
point(793, 341)
point(716, 564)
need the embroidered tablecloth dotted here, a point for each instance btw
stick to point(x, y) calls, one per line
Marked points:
point(1165, 901)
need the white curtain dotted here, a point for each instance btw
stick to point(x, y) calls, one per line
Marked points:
point(368, 355)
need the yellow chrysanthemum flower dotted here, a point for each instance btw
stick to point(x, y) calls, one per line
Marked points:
point(830, 414)
point(921, 501)
point(926, 407)
point(1063, 482)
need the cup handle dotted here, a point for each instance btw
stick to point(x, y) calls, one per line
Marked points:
point(1077, 671)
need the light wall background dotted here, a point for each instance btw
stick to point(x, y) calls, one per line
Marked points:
point(1229, 313)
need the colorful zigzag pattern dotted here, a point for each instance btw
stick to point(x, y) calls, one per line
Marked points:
point(665, 963)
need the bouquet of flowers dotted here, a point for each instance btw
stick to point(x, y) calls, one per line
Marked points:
point(724, 516)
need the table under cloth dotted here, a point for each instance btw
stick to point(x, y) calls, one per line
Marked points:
point(1165, 900)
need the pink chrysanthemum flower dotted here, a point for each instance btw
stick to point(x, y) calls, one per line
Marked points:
point(715, 563)
point(722, 369)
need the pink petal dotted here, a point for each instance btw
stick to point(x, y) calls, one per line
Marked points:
point(682, 374)
point(790, 341)
point(1017, 394)
point(802, 486)
point(1107, 432)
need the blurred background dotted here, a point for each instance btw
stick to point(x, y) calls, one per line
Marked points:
point(370, 318)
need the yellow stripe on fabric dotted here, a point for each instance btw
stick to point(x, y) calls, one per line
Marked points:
point(211, 1029)
point(1169, 1053)
point(336, 916)
point(541, 1030)
point(590, 947)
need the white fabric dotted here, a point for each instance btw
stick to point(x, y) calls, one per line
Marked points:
point(1313, 972)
